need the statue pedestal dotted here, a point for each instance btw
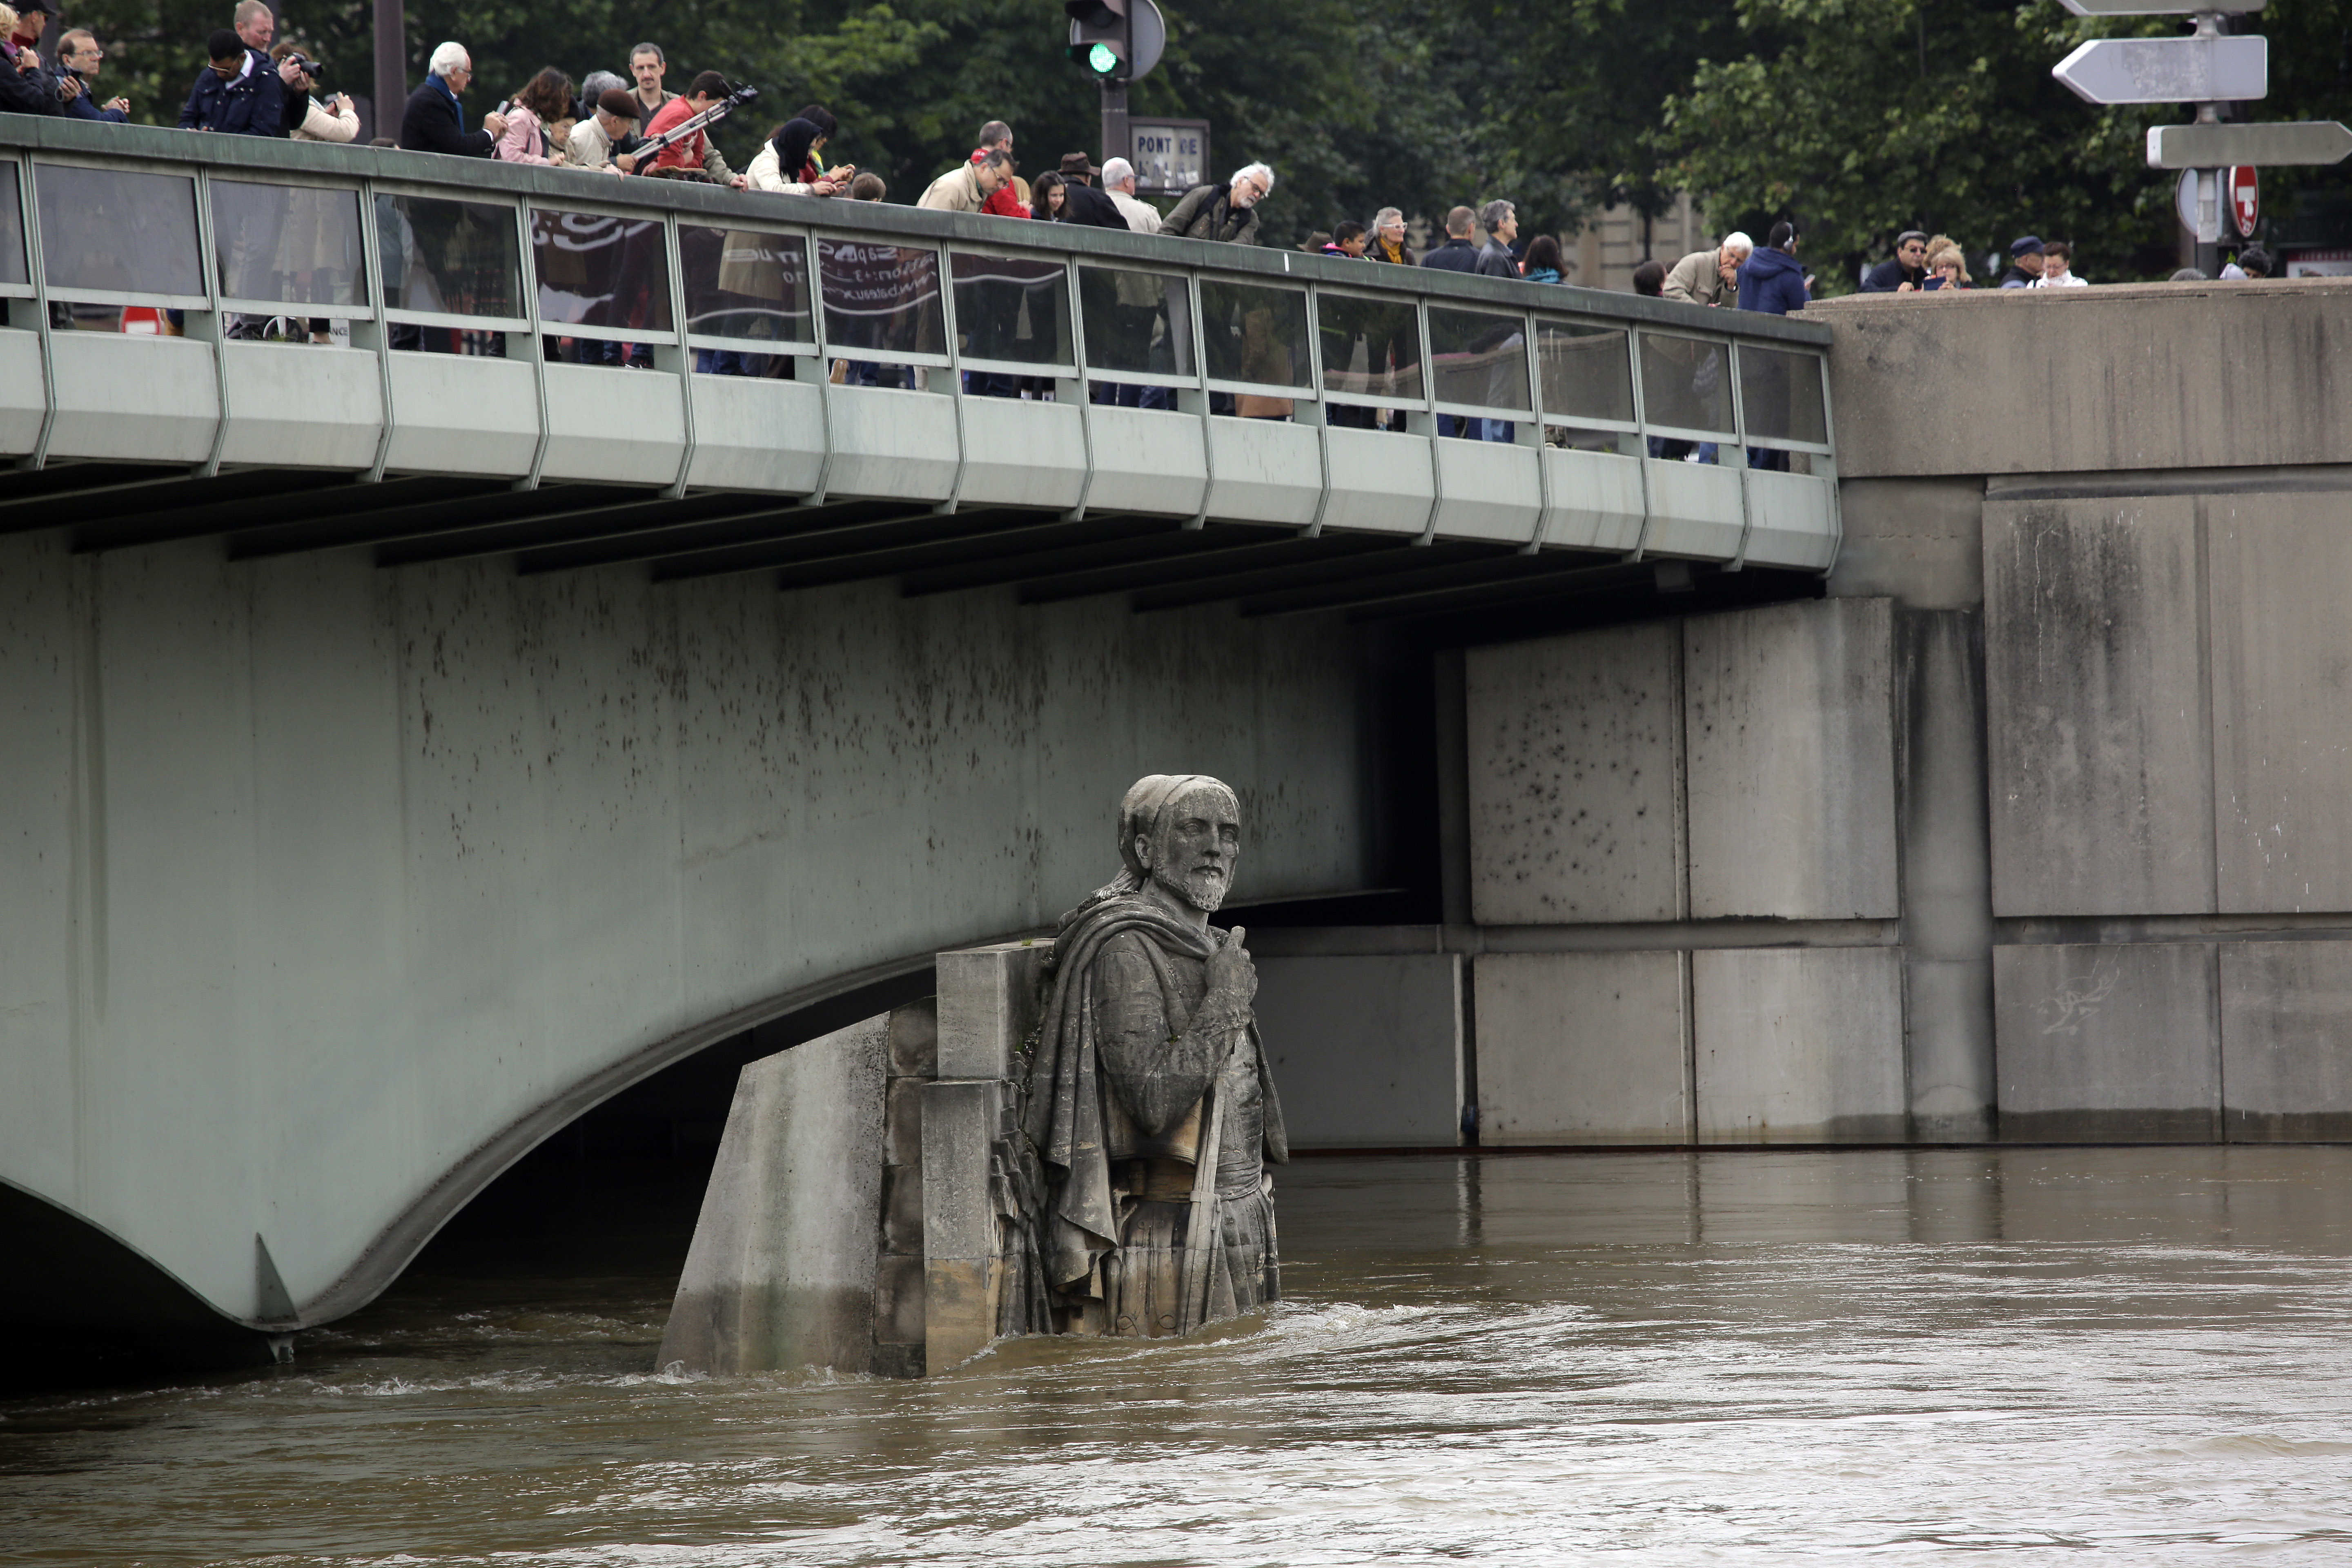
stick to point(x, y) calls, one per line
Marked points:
point(856, 1217)
point(988, 1003)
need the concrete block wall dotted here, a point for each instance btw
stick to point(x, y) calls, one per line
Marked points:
point(2169, 689)
point(1693, 851)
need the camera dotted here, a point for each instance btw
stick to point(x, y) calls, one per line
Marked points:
point(303, 63)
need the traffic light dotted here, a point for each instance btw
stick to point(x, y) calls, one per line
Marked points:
point(1101, 38)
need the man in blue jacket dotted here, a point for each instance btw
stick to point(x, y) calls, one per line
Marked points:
point(1772, 282)
point(239, 94)
point(1458, 253)
point(79, 56)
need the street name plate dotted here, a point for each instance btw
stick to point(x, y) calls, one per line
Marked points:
point(2161, 7)
point(2168, 71)
point(2264, 146)
point(1171, 156)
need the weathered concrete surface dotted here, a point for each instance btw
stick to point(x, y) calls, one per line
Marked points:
point(1583, 1048)
point(2102, 795)
point(1947, 875)
point(2085, 380)
point(2107, 1043)
point(963, 1252)
point(1917, 542)
point(2287, 1041)
point(900, 1300)
point(2281, 701)
point(988, 1002)
point(1798, 1045)
point(780, 1271)
point(1789, 725)
point(1366, 1052)
point(1575, 748)
point(322, 880)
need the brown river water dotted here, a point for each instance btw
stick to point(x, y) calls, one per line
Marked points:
point(2122, 1355)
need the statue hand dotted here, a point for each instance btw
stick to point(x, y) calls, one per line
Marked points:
point(1230, 972)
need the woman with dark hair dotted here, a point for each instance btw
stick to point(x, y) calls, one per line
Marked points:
point(1542, 263)
point(546, 101)
point(1046, 198)
point(786, 165)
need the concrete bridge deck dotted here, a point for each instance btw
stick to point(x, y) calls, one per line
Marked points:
point(434, 455)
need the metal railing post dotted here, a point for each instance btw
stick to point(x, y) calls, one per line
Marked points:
point(1430, 416)
point(955, 379)
point(813, 252)
point(1738, 561)
point(36, 266)
point(1322, 409)
point(1200, 377)
point(677, 258)
point(1085, 392)
point(527, 279)
point(372, 250)
point(1641, 442)
point(1543, 469)
point(216, 327)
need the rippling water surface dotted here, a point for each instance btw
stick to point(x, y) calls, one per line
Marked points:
point(2140, 1355)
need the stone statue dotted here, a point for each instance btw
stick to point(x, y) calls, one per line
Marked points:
point(1148, 1109)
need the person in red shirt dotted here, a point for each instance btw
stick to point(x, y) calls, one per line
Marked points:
point(1009, 199)
point(695, 155)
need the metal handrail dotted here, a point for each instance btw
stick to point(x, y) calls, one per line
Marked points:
point(672, 204)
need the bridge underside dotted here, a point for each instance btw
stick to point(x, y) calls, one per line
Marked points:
point(1157, 563)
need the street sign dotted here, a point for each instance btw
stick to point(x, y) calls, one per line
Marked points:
point(2168, 71)
point(1171, 156)
point(2245, 198)
point(2162, 7)
point(2197, 205)
point(2267, 146)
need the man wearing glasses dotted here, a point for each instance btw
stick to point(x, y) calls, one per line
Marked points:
point(79, 56)
point(1905, 272)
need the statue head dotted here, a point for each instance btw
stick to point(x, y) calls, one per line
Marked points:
point(1181, 831)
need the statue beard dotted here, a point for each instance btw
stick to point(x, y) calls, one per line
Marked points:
point(1202, 887)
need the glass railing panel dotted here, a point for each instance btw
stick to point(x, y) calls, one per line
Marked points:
point(290, 245)
point(1014, 310)
point(1371, 348)
point(448, 258)
point(746, 284)
point(12, 228)
point(1685, 384)
point(1480, 358)
point(597, 270)
point(881, 298)
point(1138, 324)
point(119, 231)
point(1781, 395)
point(1255, 334)
point(1587, 372)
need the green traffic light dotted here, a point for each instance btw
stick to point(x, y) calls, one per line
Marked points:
point(1102, 59)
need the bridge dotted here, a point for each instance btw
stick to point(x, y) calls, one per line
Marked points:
point(414, 741)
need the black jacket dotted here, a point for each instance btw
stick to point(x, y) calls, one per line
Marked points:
point(27, 92)
point(1085, 205)
point(1454, 256)
point(253, 104)
point(1888, 276)
point(1495, 260)
point(431, 123)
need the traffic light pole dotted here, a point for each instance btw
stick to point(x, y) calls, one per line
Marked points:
point(1113, 121)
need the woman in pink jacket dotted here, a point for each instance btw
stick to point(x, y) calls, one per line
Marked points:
point(547, 100)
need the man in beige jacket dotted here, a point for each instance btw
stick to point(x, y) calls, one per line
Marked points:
point(967, 187)
point(1710, 277)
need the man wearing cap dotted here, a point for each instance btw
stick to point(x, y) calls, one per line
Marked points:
point(2024, 263)
point(1905, 272)
point(1081, 203)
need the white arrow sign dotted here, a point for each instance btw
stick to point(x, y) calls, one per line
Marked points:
point(2168, 70)
point(2162, 7)
point(2264, 146)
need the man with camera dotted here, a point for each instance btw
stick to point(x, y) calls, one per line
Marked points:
point(79, 57)
point(695, 156)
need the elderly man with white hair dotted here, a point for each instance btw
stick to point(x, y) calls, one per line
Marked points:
point(1226, 213)
point(1119, 181)
point(1710, 277)
point(434, 121)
